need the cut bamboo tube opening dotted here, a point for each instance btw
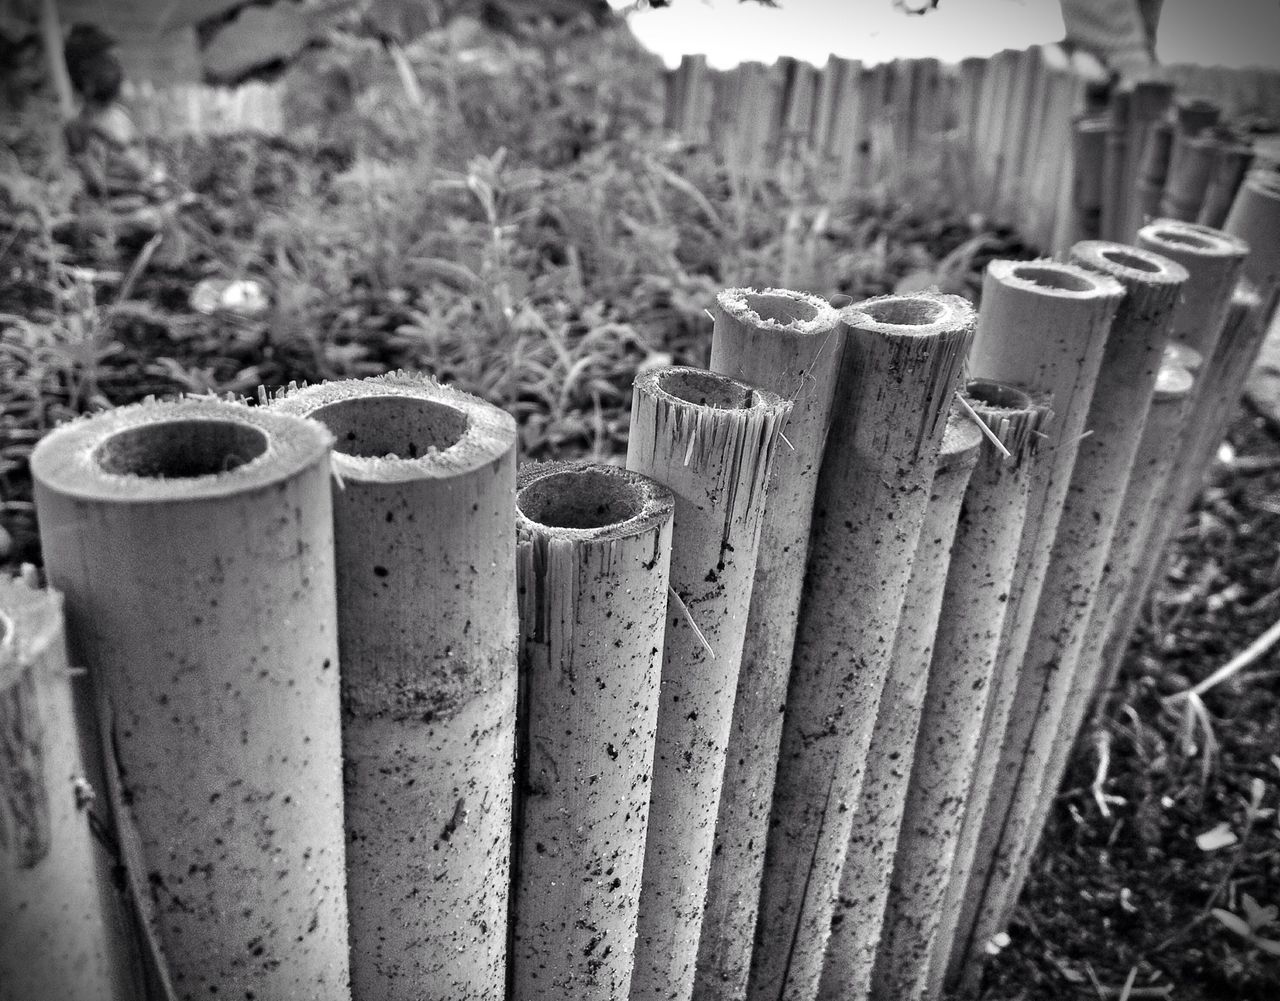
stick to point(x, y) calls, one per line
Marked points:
point(789, 343)
point(713, 441)
point(56, 942)
point(1041, 715)
point(864, 881)
point(965, 705)
point(214, 655)
point(594, 557)
point(1255, 219)
point(424, 518)
point(901, 362)
point(1043, 326)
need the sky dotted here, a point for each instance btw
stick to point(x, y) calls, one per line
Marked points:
point(1213, 32)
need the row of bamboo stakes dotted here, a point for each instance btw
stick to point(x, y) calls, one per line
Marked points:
point(1031, 138)
point(776, 710)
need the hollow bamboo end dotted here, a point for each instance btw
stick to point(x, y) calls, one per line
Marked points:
point(780, 310)
point(1175, 238)
point(1130, 265)
point(961, 440)
point(1182, 355)
point(403, 426)
point(188, 449)
point(580, 501)
point(686, 388)
point(1173, 382)
point(1054, 279)
point(924, 314)
point(1016, 417)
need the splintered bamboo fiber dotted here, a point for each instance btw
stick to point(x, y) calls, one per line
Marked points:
point(947, 773)
point(1041, 715)
point(864, 881)
point(193, 542)
point(1230, 168)
point(1191, 165)
point(1043, 326)
point(789, 343)
point(1255, 219)
point(1152, 466)
point(594, 556)
point(424, 522)
point(713, 441)
point(55, 943)
point(901, 361)
point(1089, 155)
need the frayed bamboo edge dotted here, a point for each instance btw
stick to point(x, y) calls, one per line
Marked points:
point(593, 560)
point(713, 441)
point(1043, 326)
point(790, 343)
point(962, 711)
point(236, 620)
point(864, 880)
point(902, 358)
point(1044, 714)
point(423, 503)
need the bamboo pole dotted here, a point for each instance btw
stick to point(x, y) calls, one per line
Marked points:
point(215, 660)
point(1192, 163)
point(1255, 219)
point(864, 881)
point(56, 943)
point(1043, 326)
point(1042, 715)
point(713, 441)
point(594, 558)
point(789, 343)
point(1150, 101)
point(1089, 154)
point(1114, 195)
point(965, 705)
point(1230, 168)
point(901, 361)
point(423, 520)
point(1152, 467)
point(1153, 170)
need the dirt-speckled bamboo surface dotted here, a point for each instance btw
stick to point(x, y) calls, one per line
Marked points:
point(424, 522)
point(594, 556)
point(50, 903)
point(864, 882)
point(790, 343)
point(965, 704)
point(1255, 219)
point(1042, 327)
point(712, 440)
point(902, 358)
point(193, 542)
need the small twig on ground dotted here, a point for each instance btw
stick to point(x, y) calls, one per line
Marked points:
point(1234, 666)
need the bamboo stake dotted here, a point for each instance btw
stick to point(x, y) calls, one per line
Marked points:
point(1114, 194)
point(594, 558)
point(56, 942)
point(1150, 101)
point(789, 343)
point(1043, 326)
point(424, 481)
point(948, 771)
point(864, 881)
point(1042, 714)
point(1255, 219)
point(713, 441)
point(901, 361)
point(1230, 168)
point(1152, 467)
point(1090, 159)
point(1153, 170)
point(1192, 164)
point(215, 660)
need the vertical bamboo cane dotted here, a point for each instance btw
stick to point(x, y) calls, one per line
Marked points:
point(1151, 99)
point(1114, 195)
point(1089, 151)
point(713, 441)
point(864, 881)
point(901, 361)
point(1152, 467)
point(56, 943)
point(1043, 714)
point(1232, 165)
point(789, 343)
point(962, 708)
point(1153, 169)
point(215, 658)
point(594, 557)
point(1192, 164)
point(1043, 326)
point(1255, 219)
point(424, 518)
